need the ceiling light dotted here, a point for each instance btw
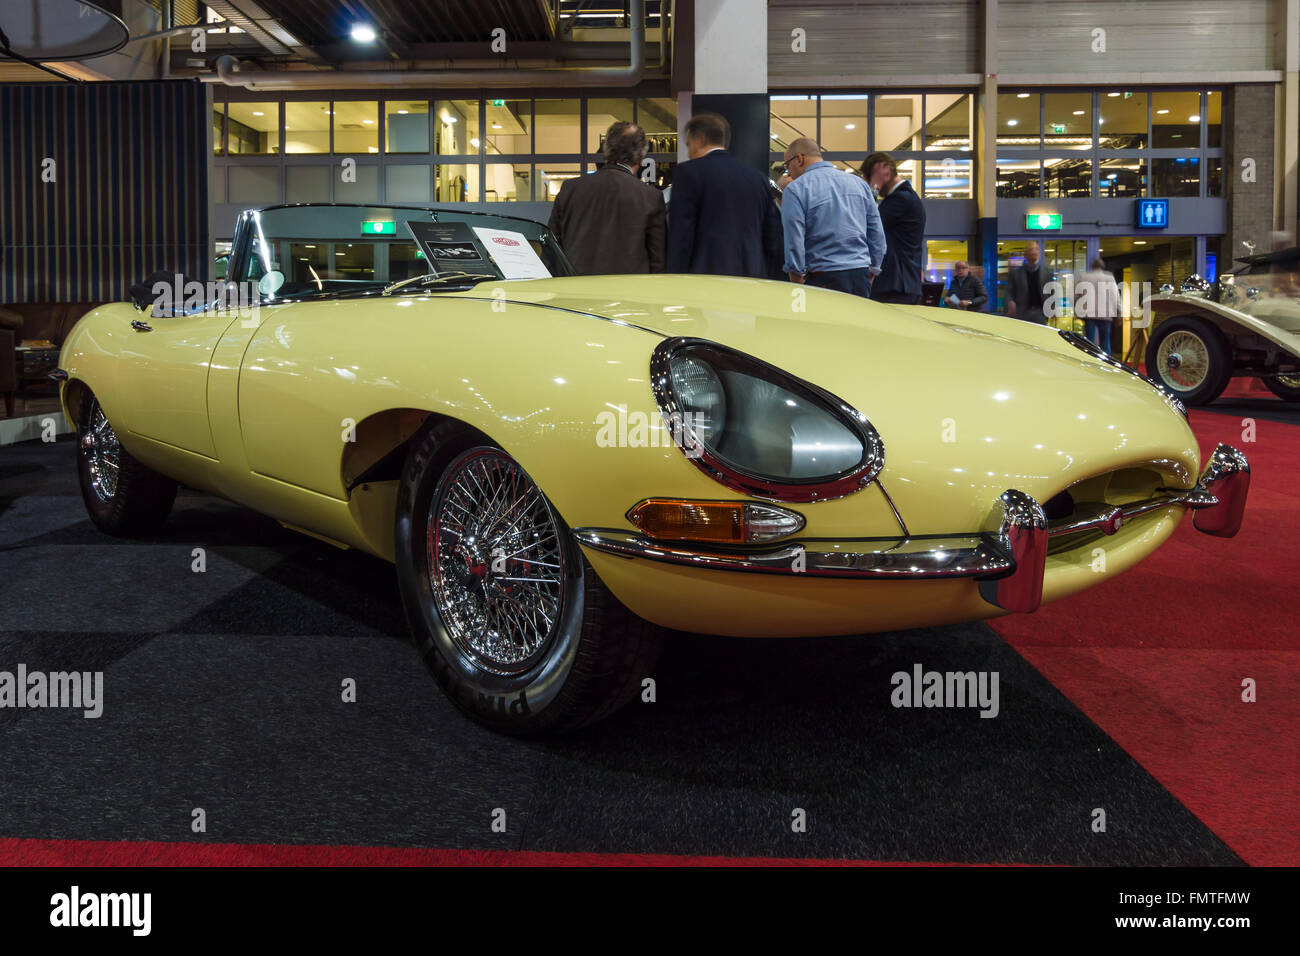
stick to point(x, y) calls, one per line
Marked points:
point(364, 33)
point(474, 143)
point(1139, 242)
point(850, 126)
point(1162, 112)
point(403, 112)
point(1078, 112)
point(1022, 96)
point(1112, 94)
point(496, 125)
point(1193, 119)
point(773, 135)
point(258, 113)
point(1012, 122)
point(368, 122)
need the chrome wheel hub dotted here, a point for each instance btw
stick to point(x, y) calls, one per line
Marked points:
point(495, 565)
point(1184, 360)
point(100, 447)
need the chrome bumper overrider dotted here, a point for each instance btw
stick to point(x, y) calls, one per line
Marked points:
point(1009, 560)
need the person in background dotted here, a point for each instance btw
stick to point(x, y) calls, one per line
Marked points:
point(611, 223)
point(1025, 298)
point(966, 291)
point(833, 235)
point(724, 221)
point(1096, 301)
point(903, 215)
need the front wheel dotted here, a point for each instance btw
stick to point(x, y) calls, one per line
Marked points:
point(1285, 387)
point(122, 496)
point(507, 614)
point(1190, 357)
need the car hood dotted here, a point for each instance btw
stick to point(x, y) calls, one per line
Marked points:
point(968, 405)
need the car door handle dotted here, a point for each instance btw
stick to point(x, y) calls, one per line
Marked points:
point(140, 326)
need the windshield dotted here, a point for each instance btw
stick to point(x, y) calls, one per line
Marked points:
point(313, 250)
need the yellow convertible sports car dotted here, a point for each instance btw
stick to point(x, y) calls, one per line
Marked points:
point(561, 467)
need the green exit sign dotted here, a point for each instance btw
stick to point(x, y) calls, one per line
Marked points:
point(498, 102)
point(379, 227)
point(1058, 127)
point(1043, 220)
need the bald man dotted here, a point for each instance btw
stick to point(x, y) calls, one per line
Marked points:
point(833, 235)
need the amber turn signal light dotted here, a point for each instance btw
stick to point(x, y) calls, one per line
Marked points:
point(719, 522)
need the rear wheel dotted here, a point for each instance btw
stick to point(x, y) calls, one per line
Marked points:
point(1285, 387)
point(122, 496)
point(1190, 357)
point(507, 614)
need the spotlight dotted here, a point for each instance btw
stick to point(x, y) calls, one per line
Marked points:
point(364, 33)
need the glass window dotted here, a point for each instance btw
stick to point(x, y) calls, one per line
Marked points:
point(510, 124)
point(254, 128)
point(255, 185)
point(1122, 177)
point(308, 184)
point(506, 182)
point(1214, 119)
point(456, 182)
point(364, 189)
point(455, 124)
point(1018, 119)
point(947, 179)
point(307, 127)
point(405, 261)
point(218, 128)
point(792, 117)
point(308, 263)
point(844, 124)
point(898, 123)
point(1176, 120)
point(1214, 178)
point(948, 121)
point(356, 126)
point(601, 114)
point(940, 256)
point(550, 177)
point(1067, 177)
point(1018, 177)
point(354, 260)
point(1176, 177)
point(406, 126)
point(1067, 120)
point(658, 117)
point(557, 126)
point(1123, 120)
point(406, 183)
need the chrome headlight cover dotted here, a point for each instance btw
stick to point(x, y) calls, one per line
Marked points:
point(1084, 345)
point(702, 449)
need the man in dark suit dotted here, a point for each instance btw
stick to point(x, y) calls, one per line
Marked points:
point(966, 291)
point(903, 215)
point(609, 222)
point(724, 220)
point(1025, 298)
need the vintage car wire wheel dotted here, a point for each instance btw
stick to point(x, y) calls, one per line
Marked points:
point(1191, 358)
point(1184, 360)
point(1285, 387)
point(103, 453)
point(495, 566)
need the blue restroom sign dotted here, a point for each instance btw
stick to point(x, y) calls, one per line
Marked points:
point(1153, 213)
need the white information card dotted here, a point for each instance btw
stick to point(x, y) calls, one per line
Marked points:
point(512, 254)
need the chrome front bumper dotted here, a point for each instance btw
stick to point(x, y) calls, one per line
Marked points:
point(1009, 561)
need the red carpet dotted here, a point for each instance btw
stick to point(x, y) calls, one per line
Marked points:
point(1156, 657)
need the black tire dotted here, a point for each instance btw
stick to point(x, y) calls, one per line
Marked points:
point(593, 656)
point(1285, 387)
point(1210, 347)
point(137, 500)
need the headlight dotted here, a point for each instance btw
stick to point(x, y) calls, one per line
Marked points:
point(1084, 345)
point(760, 430)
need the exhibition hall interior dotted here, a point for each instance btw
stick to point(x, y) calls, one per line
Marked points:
point(650, 432)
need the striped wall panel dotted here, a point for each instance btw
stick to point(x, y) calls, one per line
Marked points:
point(129, 195)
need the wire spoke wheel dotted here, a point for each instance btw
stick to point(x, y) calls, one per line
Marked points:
point(1184, 360)
point(100, 447)
point(495, 564)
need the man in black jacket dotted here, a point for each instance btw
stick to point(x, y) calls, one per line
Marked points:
point(724, 220)
point(966, 291)
point(1027, 295)
point(609, 222)
point(903, 215)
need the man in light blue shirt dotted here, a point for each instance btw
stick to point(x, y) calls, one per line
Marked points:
point(833, 235)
